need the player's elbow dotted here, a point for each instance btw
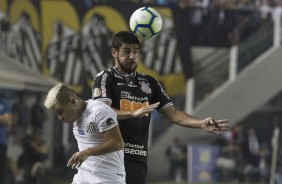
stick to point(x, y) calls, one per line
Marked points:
point(119, 145)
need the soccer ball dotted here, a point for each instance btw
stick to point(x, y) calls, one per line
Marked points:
point(146, 22)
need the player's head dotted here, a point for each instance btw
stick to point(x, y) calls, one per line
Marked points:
point(125, 50)
point(64, 101)
point(124, 37)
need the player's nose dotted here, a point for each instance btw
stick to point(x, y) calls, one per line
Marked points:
point(132, 55)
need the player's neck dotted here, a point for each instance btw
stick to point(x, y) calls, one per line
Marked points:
point(82, 106)
point(122, 72)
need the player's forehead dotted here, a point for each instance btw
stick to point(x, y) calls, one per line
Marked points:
point(129, 46)
point(57, 107)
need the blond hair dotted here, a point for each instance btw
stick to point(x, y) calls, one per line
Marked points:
point(58, 95)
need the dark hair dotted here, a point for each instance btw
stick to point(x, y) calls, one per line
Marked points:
point(124, 37)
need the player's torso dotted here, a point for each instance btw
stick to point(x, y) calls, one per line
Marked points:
point(130, 93)
point(86, 132)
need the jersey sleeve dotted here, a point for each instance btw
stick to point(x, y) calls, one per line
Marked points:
point(159, 95)
point(101, 88)
point(106, 119)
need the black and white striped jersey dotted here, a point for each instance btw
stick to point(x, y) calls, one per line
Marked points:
point(128, 93)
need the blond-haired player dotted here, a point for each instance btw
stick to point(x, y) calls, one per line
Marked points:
point(95, 127)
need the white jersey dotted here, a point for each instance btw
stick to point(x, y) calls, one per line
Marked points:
point(88, 131)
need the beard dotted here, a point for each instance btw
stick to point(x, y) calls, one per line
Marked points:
point(127, 67)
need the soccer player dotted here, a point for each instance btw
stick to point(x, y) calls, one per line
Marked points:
point(100, 158)
point(133, 96)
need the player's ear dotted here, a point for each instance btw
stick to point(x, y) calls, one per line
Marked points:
point(114, 52)
point(73, 101)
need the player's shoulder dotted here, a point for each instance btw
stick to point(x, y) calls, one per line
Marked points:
point(106, 71)
point(145, 76)
point(96, 103)
point(100, 108)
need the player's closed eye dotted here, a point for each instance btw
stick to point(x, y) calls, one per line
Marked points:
point(59, 112)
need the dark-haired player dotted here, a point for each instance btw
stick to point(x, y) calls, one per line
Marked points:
point(133, 96)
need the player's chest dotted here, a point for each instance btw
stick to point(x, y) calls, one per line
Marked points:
point(134, 89)
point(86, 128)
point(131, 95)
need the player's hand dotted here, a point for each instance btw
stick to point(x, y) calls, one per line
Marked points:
point(77, 159)
point(144, 111)
point(215, 126)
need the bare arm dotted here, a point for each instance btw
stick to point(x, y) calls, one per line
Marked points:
point(183, 119)
point(114, 142)
point(6, 119)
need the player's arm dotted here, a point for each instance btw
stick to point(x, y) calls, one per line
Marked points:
point(114, 142)
point(183, 119)
point(144, 111)
point(6, 119)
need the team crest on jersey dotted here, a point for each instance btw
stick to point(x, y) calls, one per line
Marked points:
point(110, 121)
point(145, 87)
point(90, 128)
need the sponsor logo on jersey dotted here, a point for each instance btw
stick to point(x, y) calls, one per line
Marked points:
point(127, 105)
point(110, 121)
point(132, 85)
point(90, 128)
point(97, 92)
point(145, 87)
point(134, 149)
point(129, 102)
point(127, 95)
point(126, 144)
point(80, 132)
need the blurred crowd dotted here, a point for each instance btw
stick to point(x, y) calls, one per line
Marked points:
point(220, 23)
point(27, 148)
point(245, 156)
point(239, 4)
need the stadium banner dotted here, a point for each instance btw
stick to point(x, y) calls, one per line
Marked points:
point(201, 162)
point(71, 41)
point(21, 31)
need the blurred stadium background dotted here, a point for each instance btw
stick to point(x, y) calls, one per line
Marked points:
point(214, 58)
